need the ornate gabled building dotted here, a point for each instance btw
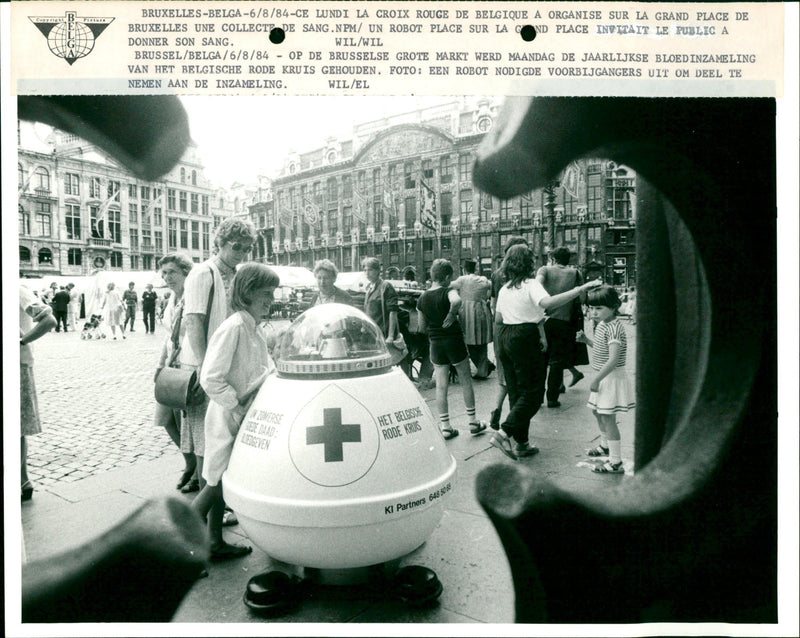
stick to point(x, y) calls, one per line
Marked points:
point(401, 190)
point(80, 211)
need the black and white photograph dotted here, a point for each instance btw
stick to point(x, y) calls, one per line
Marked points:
point(514, 361)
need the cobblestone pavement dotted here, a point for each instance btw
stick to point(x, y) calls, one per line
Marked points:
point(96, 405)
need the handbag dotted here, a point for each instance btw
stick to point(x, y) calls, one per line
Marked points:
point(398, 350)
point(177, 388)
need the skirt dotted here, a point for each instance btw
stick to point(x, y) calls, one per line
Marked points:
point(29, 406)
point(222, 426)
point(193, 426)
point(615, 394)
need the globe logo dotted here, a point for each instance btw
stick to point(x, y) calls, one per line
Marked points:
point(70, 37)
point(71, 41)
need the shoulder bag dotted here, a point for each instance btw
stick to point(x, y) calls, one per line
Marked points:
point(177, 388)
point(398, 349)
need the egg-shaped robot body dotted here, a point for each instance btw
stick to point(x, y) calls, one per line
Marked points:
point(339, 462)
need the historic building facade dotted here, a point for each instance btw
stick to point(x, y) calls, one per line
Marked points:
point(80, 211)
point(376, 195)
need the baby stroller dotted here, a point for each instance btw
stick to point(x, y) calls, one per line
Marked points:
point(91, 329)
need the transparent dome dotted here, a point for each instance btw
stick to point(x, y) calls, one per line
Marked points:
point(332, 339)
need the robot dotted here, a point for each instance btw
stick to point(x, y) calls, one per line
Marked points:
point(339, 468)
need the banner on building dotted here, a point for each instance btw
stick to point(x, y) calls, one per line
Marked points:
point(311, 212)
point(570, 178)
point(428, 216)
point(359, 206)
point(284, 214)
point(152, 203)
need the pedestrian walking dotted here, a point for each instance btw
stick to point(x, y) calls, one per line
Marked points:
point(113, 308)
point(522, 346)
point(235, 366)
point(438, 315)
point(206, 294)
point(149, 300)
point(610, 391)
point(35, 320)
point(475, 317)
point(74, 308)
point(174, 269)
point(130, 299)
point(61, 308)
point(558, 277)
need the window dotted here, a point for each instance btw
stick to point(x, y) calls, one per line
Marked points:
point(465, 123)
point(24, 253)
point(134, 236)
point(183, 175)
point(195, 202)
point(115, 226)
point(333, 222)
point(41, 179)
point(74, 257)
point(347, 187)
point(377, 214)
point(72, 183)
point(184, 233)
point(204, 204)
point(116, 259)
point(427, 169)
point(113, 190)
point(445, 208)
point(172, 232)
point(526, 207)
point(347, 218)
point(159, 241)
point(194, 178)
point(333, 191)
point(182, 201)
point(465, 205)
point(410, 178)
point(133, 213)
point(392, 178)
point(24, 221)
point(411, 211)
point(446, 169)
point(465, 168)
point(505, 208)
point(486, 242)
point(595, 195)
point(361, 183)
point(147, 239)
point(170, 199)
point(206, 236)
point(570, 235)
point(144, 192)
point(376, 182)
point(132, 191)
point(94, 211)
point(195, 235)
point(43, 220)
point(134, 259)
point(466, 243)
point(72, 217)
point(45, 256)
point(595, 233)
point(95, 188)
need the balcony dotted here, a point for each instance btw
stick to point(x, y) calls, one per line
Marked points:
point(42, 192)
point(97, 242)
point(148, 249)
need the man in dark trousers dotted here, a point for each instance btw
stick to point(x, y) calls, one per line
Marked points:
point(149, 299)
point(130, 299)
point(61, 308)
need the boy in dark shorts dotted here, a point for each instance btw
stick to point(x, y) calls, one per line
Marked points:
point(438, 316)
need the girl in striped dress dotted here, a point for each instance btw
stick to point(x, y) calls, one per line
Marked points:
point(610, 391)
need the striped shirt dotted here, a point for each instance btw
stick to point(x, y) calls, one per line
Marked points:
point(604, 335)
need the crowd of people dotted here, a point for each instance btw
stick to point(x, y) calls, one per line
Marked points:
point(215, 316)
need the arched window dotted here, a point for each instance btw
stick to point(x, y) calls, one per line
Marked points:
point(42, 179)
point(194, 178)
point(75, 257)
point(183, 175)
point(45, 256)
point(24, 221)
point(24, 254)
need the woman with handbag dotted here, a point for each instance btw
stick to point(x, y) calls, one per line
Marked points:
point(380, 305)
point(174, 269)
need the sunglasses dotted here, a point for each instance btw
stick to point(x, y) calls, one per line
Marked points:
point(242, 248)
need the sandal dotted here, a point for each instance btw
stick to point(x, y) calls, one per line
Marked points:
point(185, 478)
point(503, 444)
point(449, 433)
point(598, 451)
point(477, 428)
point(229, 518)
point(227, 551)
point(609, 468)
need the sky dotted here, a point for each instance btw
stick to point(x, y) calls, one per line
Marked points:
point(240, 137)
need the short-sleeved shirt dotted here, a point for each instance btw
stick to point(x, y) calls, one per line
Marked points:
point(604, 335)
point(149, 299)
point(130, 297)
point(374, 307)
point(558, 279)
point(196, 291)
point(434, 305)
point(521, 305)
